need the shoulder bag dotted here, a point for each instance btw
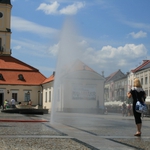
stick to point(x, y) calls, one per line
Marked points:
point(140, 107)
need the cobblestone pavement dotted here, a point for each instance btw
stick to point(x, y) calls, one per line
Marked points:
point(111, 127)
point(17, 134)
point(72, 132)
point(41, 144)
point(136, 143)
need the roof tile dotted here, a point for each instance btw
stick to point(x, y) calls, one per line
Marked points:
point(11, 67)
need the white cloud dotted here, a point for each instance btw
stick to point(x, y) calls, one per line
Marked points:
point(72, 9)
point(49, 8)
point(54, 49)
point(138, 25)
point(20, 24)
point(110, 59)
point(53, 8)
point(139, 34)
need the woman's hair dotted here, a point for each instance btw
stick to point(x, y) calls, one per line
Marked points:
point(137, 83)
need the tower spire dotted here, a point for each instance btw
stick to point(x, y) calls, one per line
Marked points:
point(5, 2)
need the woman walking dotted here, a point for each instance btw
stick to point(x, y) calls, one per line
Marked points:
point(137, 93)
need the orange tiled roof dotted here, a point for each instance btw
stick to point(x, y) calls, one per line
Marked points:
point(145, 62)
point(51, 78)
point(11, 67)
point(9, 63)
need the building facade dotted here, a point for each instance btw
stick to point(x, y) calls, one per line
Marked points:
point(81, 89)
point(114, 86)
point(18, 80)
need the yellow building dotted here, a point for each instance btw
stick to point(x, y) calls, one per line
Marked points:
point(17, 79)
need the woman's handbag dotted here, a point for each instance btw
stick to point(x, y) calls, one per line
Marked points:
point(140, 107)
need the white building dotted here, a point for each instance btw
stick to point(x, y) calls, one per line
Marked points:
point(80, 89)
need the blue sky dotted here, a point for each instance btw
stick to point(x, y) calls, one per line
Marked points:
point(114, 34)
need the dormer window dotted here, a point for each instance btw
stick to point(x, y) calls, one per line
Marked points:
point(1, 77)
point(20, 77)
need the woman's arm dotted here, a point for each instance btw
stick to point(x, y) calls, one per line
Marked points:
point(129, 95)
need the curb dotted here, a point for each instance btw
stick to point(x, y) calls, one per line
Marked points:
point(6, 120)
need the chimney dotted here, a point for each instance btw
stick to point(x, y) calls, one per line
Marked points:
point(53, 73)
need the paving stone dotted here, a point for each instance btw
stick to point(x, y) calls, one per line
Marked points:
point(92, 132)
point(40, 144)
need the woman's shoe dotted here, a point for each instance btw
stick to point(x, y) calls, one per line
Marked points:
point(137, 134)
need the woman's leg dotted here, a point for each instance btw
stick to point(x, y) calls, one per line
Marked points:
point(138, 123)
point(139, 128)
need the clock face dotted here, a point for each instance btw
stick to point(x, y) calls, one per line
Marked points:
point(1, 15)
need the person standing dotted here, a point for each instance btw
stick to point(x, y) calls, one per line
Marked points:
point(5, 103)
point(124, 109)
point(137, 93)
point(13, 103)
point(129, 109)
point(30, 102)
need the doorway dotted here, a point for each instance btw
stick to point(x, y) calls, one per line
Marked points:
point(1, 99)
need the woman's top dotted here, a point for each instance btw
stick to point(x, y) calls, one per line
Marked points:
point(138, 94)
point(5, 102)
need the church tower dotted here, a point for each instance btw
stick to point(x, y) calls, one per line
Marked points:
point(5, 31)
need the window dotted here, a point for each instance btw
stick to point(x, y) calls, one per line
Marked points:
point(20, 77)
point(146, 91)
point(141, 81)
point(1, 14)
point(27, 96)
point(49, 96)
point(45, 96)
point(1, 77)
point(146, 80)
point(14, 96)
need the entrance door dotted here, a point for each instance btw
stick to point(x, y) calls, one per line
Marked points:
point(1, 99)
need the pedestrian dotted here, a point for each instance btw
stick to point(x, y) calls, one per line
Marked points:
point(30, 102)
point(106, 112)
point(137, 93)
point(124, 109)
point(5, 103)
point(129, 109)
point(13, 103)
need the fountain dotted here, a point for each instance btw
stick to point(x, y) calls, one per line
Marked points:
point(76, 85)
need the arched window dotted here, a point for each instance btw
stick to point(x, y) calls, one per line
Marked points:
point(20, 77)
